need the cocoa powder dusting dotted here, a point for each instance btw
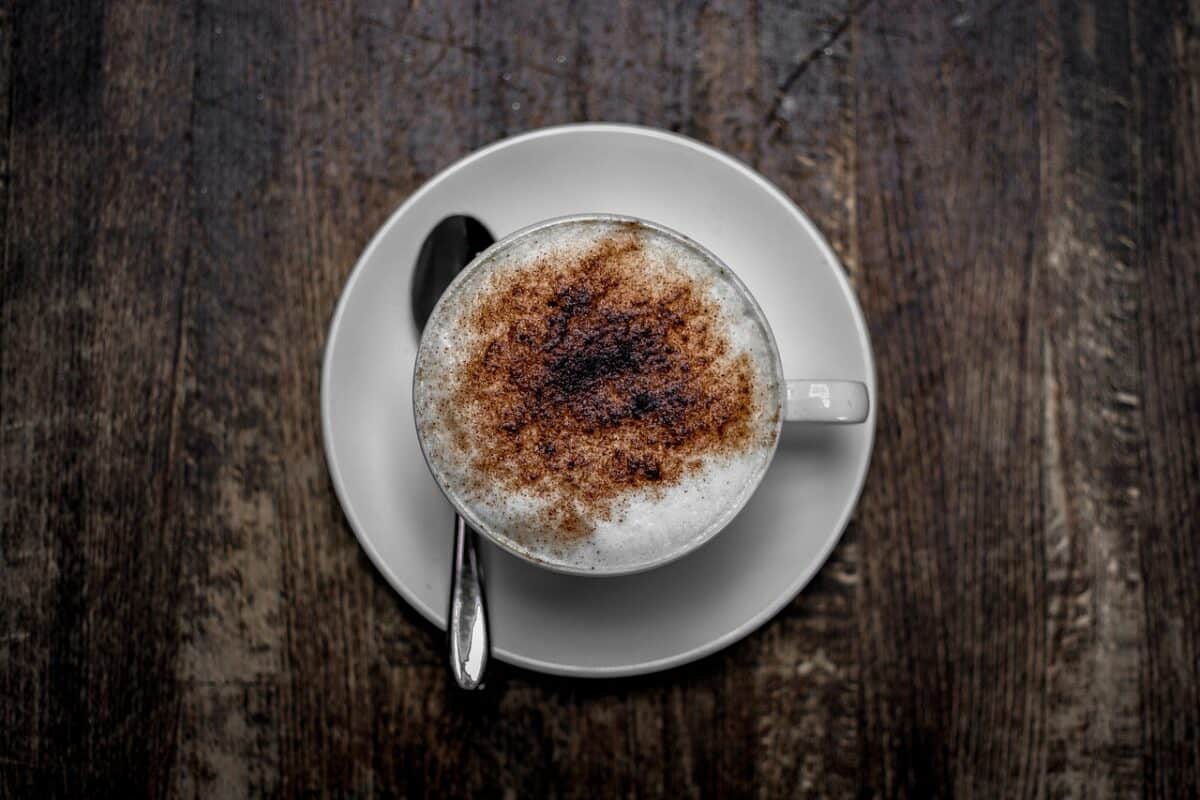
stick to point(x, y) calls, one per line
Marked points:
point(591, 377)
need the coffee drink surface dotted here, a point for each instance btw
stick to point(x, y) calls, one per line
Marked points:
point(597, 394)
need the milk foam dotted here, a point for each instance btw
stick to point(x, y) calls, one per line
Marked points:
point(644, 525)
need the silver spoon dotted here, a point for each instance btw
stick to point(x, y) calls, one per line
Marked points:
point(448, 248)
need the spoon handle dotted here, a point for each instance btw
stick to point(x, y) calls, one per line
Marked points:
point(467, 622)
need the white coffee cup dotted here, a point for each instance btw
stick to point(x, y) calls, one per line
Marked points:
point(808, 400)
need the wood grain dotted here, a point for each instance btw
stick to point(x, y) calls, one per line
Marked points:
point(1092, 398)
point(1013, 190)
point(1166, 256)
point(947, 180)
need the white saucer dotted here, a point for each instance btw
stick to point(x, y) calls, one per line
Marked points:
point(599, 627)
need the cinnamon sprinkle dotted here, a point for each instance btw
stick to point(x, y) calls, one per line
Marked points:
point(592, 376)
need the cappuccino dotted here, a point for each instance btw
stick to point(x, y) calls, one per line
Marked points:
point(596, 394)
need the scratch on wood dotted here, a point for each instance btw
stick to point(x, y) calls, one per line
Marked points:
point(805, 62)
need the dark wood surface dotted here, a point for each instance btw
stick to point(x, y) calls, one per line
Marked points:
point(1014, 189)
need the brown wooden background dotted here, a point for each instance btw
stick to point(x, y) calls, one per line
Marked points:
point(1014, 189)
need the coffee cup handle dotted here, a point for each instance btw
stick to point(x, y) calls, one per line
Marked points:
point(837, 402)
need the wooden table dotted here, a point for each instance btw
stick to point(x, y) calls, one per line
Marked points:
point(1015, 192)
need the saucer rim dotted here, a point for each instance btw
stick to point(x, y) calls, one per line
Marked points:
point(804, 576)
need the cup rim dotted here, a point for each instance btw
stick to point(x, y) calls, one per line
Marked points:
point(691, 544)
